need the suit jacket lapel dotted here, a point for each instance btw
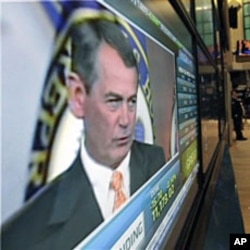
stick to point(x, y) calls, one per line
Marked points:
point(137, 168)
point(75, 206)
point(75, 186)
point(75, 203)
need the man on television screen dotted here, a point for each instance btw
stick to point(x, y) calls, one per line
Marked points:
point(110, 165)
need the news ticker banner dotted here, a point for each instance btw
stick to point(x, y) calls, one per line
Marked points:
point(162, 233)
point(136, 223)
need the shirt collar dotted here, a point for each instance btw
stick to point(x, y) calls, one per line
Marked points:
point(100, 175)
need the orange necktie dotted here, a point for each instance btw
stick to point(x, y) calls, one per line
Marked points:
point(116, 184)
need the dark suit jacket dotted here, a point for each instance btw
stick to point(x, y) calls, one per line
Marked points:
point(237, 114)
point(66, 211)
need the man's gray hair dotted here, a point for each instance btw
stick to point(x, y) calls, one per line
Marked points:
point(87, 38)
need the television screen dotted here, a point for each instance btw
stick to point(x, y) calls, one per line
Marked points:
point(243, 48)
point(166, 118)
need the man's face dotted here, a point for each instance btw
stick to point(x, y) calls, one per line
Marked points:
point(235, 95)
point(110, 109)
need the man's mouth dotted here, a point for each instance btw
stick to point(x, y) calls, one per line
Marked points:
point(123, 140)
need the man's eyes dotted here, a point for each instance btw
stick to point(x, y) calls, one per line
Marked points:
point(114, 103)
point(117, 103)
point(132, 103)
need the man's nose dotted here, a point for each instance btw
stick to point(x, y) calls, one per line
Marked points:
point(124, 115)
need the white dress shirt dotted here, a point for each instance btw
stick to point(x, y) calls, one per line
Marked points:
point(100, 178)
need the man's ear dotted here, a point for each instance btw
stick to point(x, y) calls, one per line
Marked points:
point(76, 95)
